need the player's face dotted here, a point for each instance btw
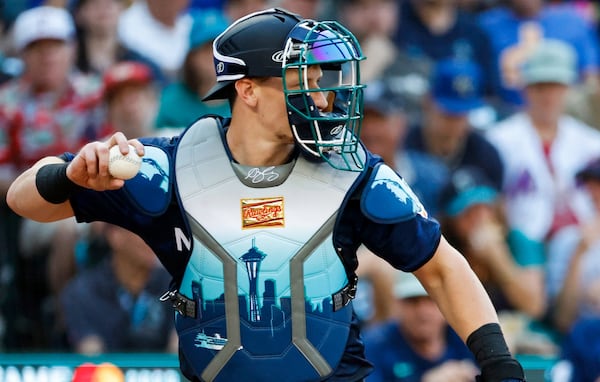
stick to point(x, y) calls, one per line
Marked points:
point(272, 107)
point(311, 78)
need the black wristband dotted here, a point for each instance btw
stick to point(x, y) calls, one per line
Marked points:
point(491, 352)
point(53, 184)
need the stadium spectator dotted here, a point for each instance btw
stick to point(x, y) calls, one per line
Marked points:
point(542, 148)
point(131, 98)
point(446, 132)
point(417, 345)
point(510, 266)
point(153, 27)
point(128, 284)
point(234, 9)
point(444, 273)
point(578, 360)
point(47, 108)
point(181, 102)
point(574, 261)
point(98, 46)
point(439, 30)
point(383, 132)
point(374, 289)
point(310, 9)
point(373, 23)
point(515, 29)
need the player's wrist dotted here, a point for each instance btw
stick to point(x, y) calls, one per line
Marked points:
point(53, 184)
point(493, 356)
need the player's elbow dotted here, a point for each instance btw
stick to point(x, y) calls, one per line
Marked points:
point(12, 200)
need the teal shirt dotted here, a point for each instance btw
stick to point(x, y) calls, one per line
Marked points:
point(526, 252)
point(179, 107)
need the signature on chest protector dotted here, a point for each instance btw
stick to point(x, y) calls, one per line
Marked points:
point(258, 175)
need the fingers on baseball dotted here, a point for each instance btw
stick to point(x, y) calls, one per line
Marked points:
point(139, 148)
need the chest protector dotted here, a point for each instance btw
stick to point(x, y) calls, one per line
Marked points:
point(263, 272)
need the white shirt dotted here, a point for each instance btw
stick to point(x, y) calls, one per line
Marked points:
point(531, 190)
point(166, 46)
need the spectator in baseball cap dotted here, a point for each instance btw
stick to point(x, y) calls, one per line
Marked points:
point(591, 172)
point(473, 216)
point(384, 129)
point(181, 102)
point(509, 264)
point(42, 23)
point(48, 107)
point(131, 98)
point(456, 87)
point(574, 260)
point(446, 131)
point(543, 132)
point(408, 338)
point(553, 61)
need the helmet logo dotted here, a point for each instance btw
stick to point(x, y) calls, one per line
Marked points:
point(220, 67)
point(277, 56)
point(336, 130)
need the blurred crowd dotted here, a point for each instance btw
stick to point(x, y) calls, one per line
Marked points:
point(489, 109)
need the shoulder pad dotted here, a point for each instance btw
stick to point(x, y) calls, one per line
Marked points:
point(387, 198)
point(150, 189)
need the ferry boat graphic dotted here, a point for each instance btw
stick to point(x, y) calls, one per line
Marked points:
point(210, 342)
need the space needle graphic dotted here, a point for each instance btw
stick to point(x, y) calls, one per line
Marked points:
point(253, 258)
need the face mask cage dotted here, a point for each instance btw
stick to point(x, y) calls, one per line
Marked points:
point(331, 134)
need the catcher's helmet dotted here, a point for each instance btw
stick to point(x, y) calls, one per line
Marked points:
point(272, 42)
point(250, 47)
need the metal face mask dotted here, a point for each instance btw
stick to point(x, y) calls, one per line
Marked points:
point(332, 134)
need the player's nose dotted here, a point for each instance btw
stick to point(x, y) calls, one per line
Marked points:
point(320, 100)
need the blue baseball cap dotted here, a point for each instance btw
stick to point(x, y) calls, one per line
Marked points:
point(467, 187)
point(381, 97)
point(590, 172)
point(207, 25)
point(456, 86)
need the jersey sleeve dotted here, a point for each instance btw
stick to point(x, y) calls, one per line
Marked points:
point(390, 221)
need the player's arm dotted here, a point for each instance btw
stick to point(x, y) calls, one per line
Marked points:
point(464, 302)
point(42, 192)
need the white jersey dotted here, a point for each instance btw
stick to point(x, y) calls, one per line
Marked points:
point(532, 190)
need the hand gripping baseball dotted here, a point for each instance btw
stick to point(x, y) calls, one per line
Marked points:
point(90, 168)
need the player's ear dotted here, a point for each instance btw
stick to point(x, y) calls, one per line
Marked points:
point(246, 91)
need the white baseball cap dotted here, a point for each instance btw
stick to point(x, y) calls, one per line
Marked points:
point(551, 61)
point(44, 22)
point(408, 286)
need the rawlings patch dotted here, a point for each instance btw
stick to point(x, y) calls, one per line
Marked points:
point(262, 212)
point(387, 198)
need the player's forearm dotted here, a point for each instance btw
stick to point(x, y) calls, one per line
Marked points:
point(468, 309)
point(24, 198)
point(459, 294)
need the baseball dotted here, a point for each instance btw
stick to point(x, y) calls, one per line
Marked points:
point(123, 166)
